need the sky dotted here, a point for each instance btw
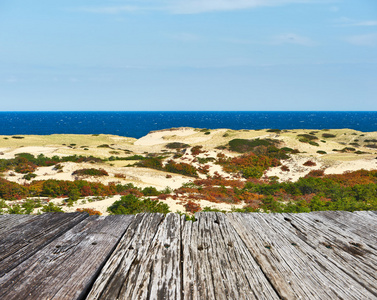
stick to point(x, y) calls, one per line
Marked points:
point(188, 55)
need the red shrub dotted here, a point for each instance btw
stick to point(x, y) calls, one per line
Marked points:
point(309, 163)
point(192, 207)
point(90, 211)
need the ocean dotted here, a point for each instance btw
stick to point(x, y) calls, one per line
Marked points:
point(138, 124)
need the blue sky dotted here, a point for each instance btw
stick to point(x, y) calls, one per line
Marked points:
point(121, 55)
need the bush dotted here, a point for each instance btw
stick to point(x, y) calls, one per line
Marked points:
point(131, 205)
point(315, 173)
point(177, 145)
point(192, 207)
point(321, 152)
point(242, 145)
point(90, 211)
point(252, 172)
point(308, 137)
point(29, 176)
point(285, 168)
point(51, 207)
point(196, 150)
point(274, 130)
point(181, 168)
point(150, 191)
point(90, 172)
point(328, 135)
point(309, 163)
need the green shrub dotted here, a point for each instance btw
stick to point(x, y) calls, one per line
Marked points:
point(29, 176)
point(181, 168)
point(177, 145)
point(242, 145)
point(313, 143)
point(307, 137)
point(252, 172)
point(90, 172)
point(321, 152)
point(51, 207)
point(131, 205)
point(328, 135)
point(150, 191)
point(274, 130)
point(15, 209)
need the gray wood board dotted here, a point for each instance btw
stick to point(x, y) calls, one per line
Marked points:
point(346, 250)
point(295, 269)
point(352, 222)
point(122, 276)
point(67, 267)
point(217, 264)
point(9, 221)
point(22, 241)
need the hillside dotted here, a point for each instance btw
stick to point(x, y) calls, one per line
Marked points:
point(175, 160)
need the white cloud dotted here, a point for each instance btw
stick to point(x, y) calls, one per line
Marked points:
point(292, 38)
point(344, 22)
point(363, 39)
point(193, 6)
point(200, 6)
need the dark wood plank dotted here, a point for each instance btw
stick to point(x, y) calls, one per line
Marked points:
point(294, 268)
point(346, 250)
point(22, 241)
point(67, 267)
point(9, 221)
point(216, 263)
point(126, 259)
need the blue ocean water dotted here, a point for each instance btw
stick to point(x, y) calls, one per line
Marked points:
point(138, 124)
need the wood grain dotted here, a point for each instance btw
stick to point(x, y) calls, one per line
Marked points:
point(295, 269)
point(68, 266)
point(22, 241)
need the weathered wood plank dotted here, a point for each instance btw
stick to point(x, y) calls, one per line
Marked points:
point(158, 275)
point(346, 250)
point(294, 268)
point(67, 267)
point(348, 221)
point(126, 259)
point(22, 241)
point(9, 221)
point(216, 263)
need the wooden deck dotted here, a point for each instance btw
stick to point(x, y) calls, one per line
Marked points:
point(319, 255)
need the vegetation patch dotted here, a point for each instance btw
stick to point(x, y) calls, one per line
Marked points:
point(309, 163)
point(243, 146)
point(373, 146)
point(90, 172)
point(177, 145)
point(274, 130)
point(131, 205)
point(328, 135)
point(90, 211)
point(309, 137)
